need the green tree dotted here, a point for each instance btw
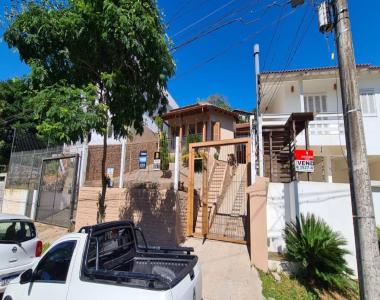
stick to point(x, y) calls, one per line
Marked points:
point(93, 62)
point(217, 100)
point(14, 114)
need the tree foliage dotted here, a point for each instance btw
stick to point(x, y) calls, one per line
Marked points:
point(217, 100)
point(93, 62)
point(14, 114)
point(320, 253)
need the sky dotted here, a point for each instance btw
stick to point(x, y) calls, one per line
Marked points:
point(220, 59)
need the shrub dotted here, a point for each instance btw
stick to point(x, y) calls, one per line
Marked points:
point(378, 232)
point(320, 253)
point(164, 152)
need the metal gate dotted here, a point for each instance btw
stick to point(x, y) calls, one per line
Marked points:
point(219, 173)
point(57, 193)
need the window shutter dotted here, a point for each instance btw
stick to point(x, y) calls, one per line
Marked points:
point(310, 107)
point(324, 103)
point(368, 102)
point(317, 102)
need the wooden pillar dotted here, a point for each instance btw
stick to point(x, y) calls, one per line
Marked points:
point(294, 134)
point(180, 135)
point(204, 131)
point(307, 142)
point(204, 196)
point(190, 193)
point(270, 156)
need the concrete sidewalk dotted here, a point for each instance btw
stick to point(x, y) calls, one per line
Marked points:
point(226, 270)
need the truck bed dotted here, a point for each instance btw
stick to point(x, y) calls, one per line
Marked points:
point(114, 256)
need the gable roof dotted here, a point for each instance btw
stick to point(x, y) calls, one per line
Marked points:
point(197, 109)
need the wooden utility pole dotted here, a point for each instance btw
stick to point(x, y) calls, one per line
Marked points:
point(367, 249)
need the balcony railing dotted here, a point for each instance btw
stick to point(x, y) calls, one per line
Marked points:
point(327, 124)
point(323, 124)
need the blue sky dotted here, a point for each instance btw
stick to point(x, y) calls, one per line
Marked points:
point(222, 62)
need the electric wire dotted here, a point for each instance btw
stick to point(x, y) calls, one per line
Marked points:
point(232, 46)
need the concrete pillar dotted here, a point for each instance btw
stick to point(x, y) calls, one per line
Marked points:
point(33, 211)
point(291, 201)
point(83, 163)
point(327, 169)
point(122, 163)
point(301, 91)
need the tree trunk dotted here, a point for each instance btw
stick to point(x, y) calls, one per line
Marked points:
point(102, 196)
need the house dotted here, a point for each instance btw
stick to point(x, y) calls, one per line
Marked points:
point(209, 122)
point(303, 109)
point(317, 90)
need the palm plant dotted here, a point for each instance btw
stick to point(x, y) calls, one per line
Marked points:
point(320, 253)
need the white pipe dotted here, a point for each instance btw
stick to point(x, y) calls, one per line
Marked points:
point(176, 164)
point(122, 163)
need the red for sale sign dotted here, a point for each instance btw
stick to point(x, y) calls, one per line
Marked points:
point(304, 160)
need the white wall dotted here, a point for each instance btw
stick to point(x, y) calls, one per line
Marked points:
point(330, 201)
point(15, 201)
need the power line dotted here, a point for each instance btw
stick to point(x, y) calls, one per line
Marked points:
point(203, 18)
point(291, 56)
point(219, 24)
point(180, 12)
point(272, 39)
point(235, 45)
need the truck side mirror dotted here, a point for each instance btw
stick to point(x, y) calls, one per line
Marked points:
point(26, 277)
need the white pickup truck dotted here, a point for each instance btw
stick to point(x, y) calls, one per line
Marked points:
point(109, 261)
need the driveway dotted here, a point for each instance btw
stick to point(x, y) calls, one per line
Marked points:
point(226, 270)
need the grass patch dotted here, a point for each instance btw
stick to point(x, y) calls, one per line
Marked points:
point(287, 288)
point(291, 288)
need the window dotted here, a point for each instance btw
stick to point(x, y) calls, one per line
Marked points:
point(16, 232)
point(191, 129)
point(315, 103)
point(368, 102)
point(55, 264)
point(108, 248)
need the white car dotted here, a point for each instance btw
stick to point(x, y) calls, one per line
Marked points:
point(109, 261)
point(19, 246)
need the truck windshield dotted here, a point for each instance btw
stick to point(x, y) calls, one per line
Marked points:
point(14, 232)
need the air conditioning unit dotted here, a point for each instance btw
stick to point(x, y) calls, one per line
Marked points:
point(325, 19)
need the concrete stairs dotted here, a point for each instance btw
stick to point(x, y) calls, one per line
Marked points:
point(215, 188)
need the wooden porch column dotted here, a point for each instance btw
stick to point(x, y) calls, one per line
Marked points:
point(307, 142)
point(294, 133)
point(204, 196)
point(190, 194)
point(204, 131)
point(180, 135)
point(270, 156)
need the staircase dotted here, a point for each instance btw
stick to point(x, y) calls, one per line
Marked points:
point(214, 190)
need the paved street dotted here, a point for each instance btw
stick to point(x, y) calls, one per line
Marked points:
point(226, 270)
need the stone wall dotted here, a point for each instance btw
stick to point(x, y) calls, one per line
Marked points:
point(159, 211)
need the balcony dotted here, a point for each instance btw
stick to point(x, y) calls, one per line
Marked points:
point(326, 129)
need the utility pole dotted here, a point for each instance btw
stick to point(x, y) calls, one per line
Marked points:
point(367, 249)
point(366, 244)
point(259, 134)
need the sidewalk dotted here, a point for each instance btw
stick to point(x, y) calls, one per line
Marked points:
point(226, 270)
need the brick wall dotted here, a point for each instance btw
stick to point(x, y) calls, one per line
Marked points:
point(159, 212)
point(133, 153)
point(94, 162)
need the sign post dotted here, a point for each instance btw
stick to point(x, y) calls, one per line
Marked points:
point(304, 160)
